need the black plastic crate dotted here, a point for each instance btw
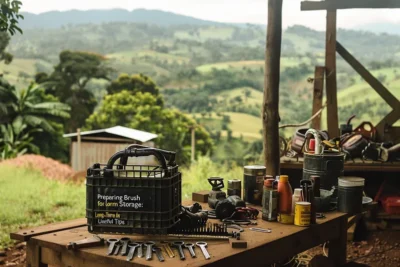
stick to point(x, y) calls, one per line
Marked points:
point(141, 199)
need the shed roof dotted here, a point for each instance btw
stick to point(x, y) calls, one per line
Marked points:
point(120, 131)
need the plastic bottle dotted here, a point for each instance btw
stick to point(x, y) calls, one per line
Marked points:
point(270, 201)
point(285, 195)
point(297, 197)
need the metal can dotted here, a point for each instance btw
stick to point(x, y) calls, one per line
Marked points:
point(253, 184)
point(302, 214)
point(235, 188)
point(285, 218)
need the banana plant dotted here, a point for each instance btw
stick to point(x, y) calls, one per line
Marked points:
point(16, 140)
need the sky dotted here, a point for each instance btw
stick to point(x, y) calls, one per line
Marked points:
point(241, 11)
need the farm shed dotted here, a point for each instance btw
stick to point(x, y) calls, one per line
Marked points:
point(97, 146)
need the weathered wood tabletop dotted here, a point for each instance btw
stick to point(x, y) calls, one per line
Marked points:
point(48, 247)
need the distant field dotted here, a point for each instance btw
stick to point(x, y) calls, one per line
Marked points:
point(128, 56)
point(241, 124)
point(252, 64)
point(256, 97)
point(221, 33)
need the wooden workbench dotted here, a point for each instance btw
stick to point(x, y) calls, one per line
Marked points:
point(46, 245)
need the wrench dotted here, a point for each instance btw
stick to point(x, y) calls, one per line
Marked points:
point(140, 250)
point(178, 245)
point(111, 242)
point(149, 250)
point(158, 252)
point(124, 241)
point(117, 247)
point(190, 247)
point(132, 248)
point(203, 248)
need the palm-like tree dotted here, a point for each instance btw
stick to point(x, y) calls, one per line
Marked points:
point(27, 106)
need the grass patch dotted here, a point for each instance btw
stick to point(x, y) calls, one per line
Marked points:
point(29, 199)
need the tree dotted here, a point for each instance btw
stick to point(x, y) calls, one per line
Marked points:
point(134, 84)
point(31, 120)
point(4, 41)
point(9, 16)
point(140, 111)
point(70, 79)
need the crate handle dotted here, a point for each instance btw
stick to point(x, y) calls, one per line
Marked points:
point(141, 152)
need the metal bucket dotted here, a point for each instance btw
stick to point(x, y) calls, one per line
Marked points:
point(329, 166)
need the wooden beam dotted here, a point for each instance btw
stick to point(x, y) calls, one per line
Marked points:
point(368, 77)
point(348, 4)
point(330, 69)
point(382, 128)
point(271, 88)
point(319, 78)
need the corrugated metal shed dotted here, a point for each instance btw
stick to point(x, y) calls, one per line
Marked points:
point(119, 131)
point(98, 146)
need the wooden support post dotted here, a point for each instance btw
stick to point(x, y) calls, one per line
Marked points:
point(193, 157)
point(330, 64)
point(79, 149)
point(319, 78)
point(338, 246)
point(271, 88)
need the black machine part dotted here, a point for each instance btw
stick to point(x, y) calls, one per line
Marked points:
point(216, 194)
point(225, 208)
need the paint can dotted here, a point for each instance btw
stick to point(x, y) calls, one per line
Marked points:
point(253, 184)
point(285, 218)
point(302, 214)
point(235, 188)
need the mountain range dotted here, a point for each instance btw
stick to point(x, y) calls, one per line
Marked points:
point(57, 19)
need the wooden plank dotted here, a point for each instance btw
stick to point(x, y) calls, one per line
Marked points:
point(33, 253)
point(338, 246)
point(295, 240)
point(271, 88)
point(317, 95)
point(330, 68)
point(368, 77)
point(383, 126)
point(348, 4)
point(26, 234)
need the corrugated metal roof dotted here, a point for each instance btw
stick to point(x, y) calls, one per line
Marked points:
point(119, 131)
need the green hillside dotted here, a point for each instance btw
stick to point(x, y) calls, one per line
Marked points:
point(207, 68)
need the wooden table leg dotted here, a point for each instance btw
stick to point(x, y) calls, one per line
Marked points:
point(338, 247)
point(33, 255)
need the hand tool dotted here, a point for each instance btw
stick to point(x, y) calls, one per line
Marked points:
point(158, 252)
point(203, 248)
point(261, 230)
point(140, 250)
point(168, 249)
point(149, 249)
point(210, 229)
point(86, 243)
point(236, 235)
point(124, 241)
point(190, 247)
point(132, 247)
point(178, 245)
point(197, 237)
point(111, 242)
point(117, 247)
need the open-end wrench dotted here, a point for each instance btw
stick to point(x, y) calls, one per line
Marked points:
point(203, 246)
point(158, 252)
point(149, 250)
point(111, 244)
point(140, 249)
point(132, 247)
point(117, 247)
point(179, 245)
point(124, 241)
point(190, 247)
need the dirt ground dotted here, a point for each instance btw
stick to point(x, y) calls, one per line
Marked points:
point(381, 249)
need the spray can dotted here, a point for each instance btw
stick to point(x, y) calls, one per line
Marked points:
point(270, 200)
